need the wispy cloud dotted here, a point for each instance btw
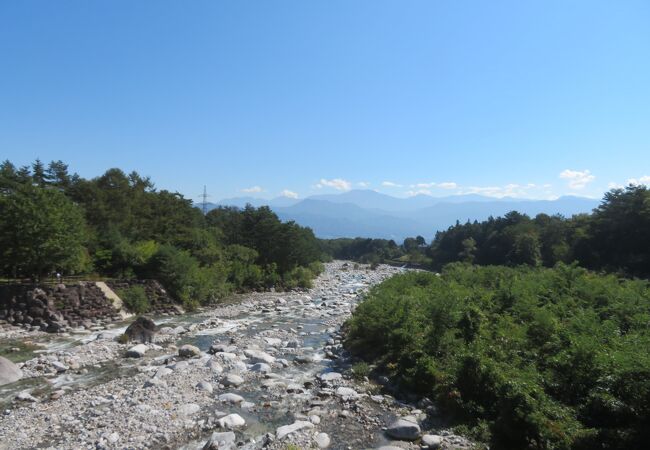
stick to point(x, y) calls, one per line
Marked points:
point(639, 181)
point(336, 183)
point(390, 184)
point(363, 184)
point(253, 190)
point(444, 185)
point(289, 194)
point(577, 179)
point(447, 185)
point(515, 190)
point(413, 193)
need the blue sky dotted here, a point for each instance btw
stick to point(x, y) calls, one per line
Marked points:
point(530, 99)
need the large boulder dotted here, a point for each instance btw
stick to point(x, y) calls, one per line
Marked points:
point(405, 429)
point(9, 372)
point(142, 329)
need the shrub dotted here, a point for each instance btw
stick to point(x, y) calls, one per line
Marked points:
point(522, 357)
point(360, 370)
point(135, 299)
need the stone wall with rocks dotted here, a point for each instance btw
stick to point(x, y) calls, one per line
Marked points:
point(56, 308)
point(60, 308)
point(160, 301)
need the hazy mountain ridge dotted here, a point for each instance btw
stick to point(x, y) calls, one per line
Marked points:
point(368, 213)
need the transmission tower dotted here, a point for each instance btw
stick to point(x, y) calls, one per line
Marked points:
point(205, 196)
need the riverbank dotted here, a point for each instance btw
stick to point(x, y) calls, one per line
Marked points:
point(270, 368)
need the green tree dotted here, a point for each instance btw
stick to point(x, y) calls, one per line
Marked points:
point(469, 250)
point(38, 173)
point(57, 174)
point(41, 231)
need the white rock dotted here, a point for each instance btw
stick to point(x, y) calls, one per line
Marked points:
point(214, 366)
point(330, 376)
point(137, 351)
point(232, 380)
point(189, 409)
point(231, 398)
point(204, 386)
point(231, 421)
point(405, 428)
point(9, 372)
point(273, 342)
point(322, 440)
point(59, 366)
point(286, 430)
point(162, 372)
point(432, 441)
point(180, 365)
point(26, 397)
point(347, 393)
point(218, 441)
point(258, 356)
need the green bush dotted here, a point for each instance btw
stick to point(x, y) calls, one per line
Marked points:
point(135, 299)
point(300, 277)
point(522, 357)
point(360, 370)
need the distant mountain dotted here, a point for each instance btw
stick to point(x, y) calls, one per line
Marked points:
point(366, 213)
point(241, 202)
point(375, 200)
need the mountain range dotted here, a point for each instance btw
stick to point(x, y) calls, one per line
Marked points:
point(367, 213)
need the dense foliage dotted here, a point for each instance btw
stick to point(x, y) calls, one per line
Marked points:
point(615, 237)
point(375, 251)
point(40, 231)
point(524, 357)
point(119, 225)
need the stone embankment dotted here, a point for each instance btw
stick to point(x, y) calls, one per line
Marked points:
point(269, 372)
point(62, 308)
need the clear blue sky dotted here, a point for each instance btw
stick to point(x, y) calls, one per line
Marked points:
point(310, 96)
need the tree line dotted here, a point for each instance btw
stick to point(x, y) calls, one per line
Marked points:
point(119, 225)
point(615, 237)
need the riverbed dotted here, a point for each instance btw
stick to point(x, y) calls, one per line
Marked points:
point(266, 370)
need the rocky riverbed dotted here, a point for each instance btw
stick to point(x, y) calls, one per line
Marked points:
point(267, 371)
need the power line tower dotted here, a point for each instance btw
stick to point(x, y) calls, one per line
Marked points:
point(205, 196)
